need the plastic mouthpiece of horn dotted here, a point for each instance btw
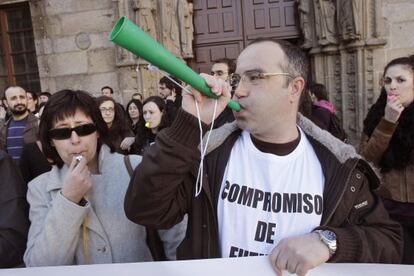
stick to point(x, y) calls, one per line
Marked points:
point(131, 37)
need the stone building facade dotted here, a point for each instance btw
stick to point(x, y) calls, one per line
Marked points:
point(348, 41)
point(71, 38)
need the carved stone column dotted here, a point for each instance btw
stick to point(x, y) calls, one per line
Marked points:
point(342, 53)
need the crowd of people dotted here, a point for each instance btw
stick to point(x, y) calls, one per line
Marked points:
point(86, 180)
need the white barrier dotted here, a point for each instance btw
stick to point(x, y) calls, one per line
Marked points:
point(211, 267)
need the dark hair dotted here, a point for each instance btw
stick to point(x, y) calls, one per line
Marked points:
point(319, 90)
point(139, 105)
point(45, 94)
point(400, 150)
point(305, 107)
point(107, 87)
point(170, 84)
point(165, 121)
point(34, 95)
point(137, 94)
point(144, 135)
point(407, 61)
point(119, 128)
point(231, 65)
point(63, 104)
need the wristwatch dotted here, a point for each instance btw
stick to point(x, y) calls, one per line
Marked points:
point(329, 239)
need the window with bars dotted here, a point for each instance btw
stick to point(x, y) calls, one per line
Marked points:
point(18, 62)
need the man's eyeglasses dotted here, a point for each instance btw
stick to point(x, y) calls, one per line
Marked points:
point(104, 109)
point(253, 77)
point(66, 132)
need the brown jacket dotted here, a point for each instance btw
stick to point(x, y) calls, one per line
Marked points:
point(30, 133)
point(163, 187)
point(397, 185)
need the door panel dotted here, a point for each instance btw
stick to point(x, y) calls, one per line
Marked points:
point(217, 21)
point(206, 54)
point(224, 27)
point(270, 19)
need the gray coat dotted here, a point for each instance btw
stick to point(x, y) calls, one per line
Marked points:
point(55, 235)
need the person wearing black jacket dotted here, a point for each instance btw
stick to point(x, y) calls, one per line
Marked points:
point(14, 222)
point(171, 93)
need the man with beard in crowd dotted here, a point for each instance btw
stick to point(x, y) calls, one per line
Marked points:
point(21, 128)
point(223, 69)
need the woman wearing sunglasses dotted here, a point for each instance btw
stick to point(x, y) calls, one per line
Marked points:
point(76, 209)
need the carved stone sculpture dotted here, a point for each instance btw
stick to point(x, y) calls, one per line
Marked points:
point(325, 22)
point(186, 28)
point(146, 13)
point(305, 24)
point(349, 19)
point(170, 32)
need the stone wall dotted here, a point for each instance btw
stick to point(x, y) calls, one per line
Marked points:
point(72, 44)
point(398, 24)
point(71, 38)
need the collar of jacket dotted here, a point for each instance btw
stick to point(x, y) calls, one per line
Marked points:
point(342, 151)
point(30, 119)
point(59, 174)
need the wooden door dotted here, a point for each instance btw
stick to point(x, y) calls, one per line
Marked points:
point(224, 27)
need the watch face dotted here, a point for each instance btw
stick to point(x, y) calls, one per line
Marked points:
point(329, 235)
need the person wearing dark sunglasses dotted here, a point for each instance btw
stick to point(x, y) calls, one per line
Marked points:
point(76, 209)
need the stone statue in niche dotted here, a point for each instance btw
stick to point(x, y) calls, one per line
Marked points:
point(185, 10)
point(325, 23)
point(146, 11)
point(349, 18)
point(304, 17)
point(170, 32)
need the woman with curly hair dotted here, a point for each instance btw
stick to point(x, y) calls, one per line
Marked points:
point(388, 141)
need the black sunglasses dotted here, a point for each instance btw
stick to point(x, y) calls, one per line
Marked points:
point(65, 133)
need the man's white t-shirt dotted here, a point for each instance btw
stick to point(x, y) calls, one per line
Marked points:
point(265, 198)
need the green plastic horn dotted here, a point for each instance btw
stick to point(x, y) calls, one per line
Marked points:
point(131, 37)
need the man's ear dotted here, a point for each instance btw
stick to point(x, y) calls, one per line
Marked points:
point(297, 87)
point(6, 104)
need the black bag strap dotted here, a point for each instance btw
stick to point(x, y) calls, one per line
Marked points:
point(128, 165)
